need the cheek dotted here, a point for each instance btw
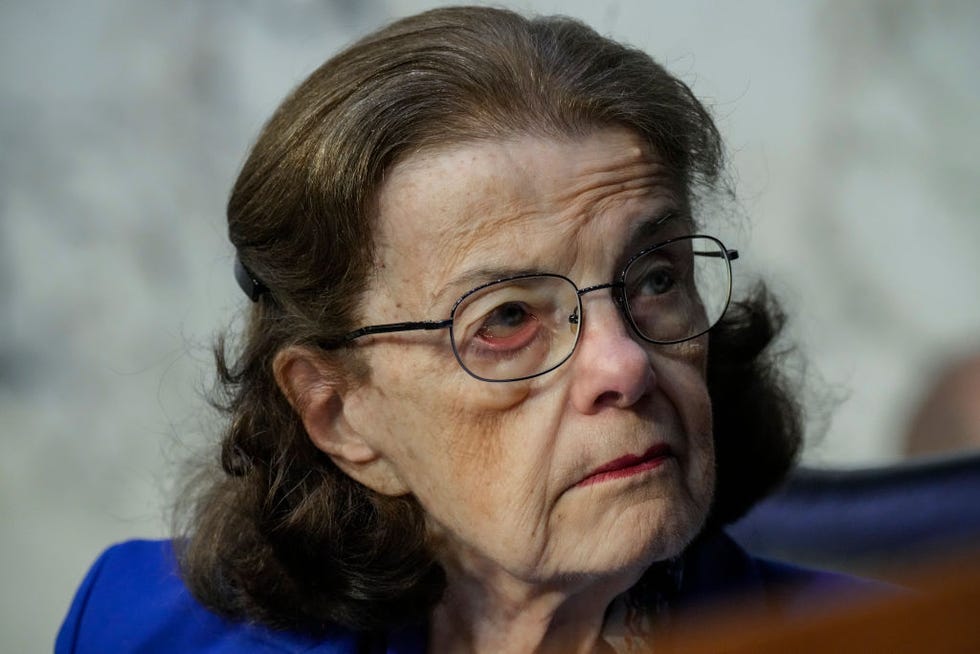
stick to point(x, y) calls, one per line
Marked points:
point(701, 472)
point(681, 373)
point(701, 475)
point(447, 433)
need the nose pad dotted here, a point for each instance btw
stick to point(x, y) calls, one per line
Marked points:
point(612, 367)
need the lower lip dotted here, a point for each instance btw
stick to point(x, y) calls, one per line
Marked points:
point(644, 463)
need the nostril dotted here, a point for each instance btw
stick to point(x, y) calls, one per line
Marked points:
point(609, 398)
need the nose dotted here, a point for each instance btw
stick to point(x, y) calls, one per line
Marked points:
point(611, 368)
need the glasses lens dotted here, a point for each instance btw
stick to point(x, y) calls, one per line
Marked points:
point(679, 290)
point(516, 328)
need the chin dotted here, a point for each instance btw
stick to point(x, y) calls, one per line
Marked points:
point(674, 523)
point(675, 533)
point(675, 539)
point(641, 538)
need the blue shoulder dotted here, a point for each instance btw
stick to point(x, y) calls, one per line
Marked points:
point(133, 599)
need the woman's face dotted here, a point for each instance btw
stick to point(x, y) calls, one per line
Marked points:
point(507, 472)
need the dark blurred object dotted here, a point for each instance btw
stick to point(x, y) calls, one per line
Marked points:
point(948, 419)
point(870, 521)
point(940, 617)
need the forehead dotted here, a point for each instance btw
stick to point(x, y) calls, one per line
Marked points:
point(522, 204)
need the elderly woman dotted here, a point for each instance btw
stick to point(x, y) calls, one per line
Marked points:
point(492, 395)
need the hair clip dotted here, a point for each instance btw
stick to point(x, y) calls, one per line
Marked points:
point(248, 282)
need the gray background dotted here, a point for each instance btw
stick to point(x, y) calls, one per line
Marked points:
point(853, 130)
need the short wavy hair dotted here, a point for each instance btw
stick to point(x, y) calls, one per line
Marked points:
point(278, 534)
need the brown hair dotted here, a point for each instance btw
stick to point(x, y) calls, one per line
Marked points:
point(280, 534)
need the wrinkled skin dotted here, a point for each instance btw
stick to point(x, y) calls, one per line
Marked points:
point(533, 557)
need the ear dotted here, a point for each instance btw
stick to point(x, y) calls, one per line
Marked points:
point(319, 395)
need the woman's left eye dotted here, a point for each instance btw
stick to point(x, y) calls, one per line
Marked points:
point(657, 281)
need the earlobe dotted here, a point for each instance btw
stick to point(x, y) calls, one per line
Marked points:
point(318, 395)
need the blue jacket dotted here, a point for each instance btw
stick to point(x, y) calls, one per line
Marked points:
point(134, 600)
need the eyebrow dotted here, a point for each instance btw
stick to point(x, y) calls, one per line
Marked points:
point(649, 229)
point(469, 280)
point(474, 278)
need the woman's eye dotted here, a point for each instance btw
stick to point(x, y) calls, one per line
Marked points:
point(506, 321)
point(657, 281)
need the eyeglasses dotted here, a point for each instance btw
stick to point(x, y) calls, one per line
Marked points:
point(527, 325)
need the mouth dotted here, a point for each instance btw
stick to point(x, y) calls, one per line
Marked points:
point(626, 466)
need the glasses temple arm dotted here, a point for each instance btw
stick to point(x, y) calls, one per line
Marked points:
point(729, 254)
point(387, 329)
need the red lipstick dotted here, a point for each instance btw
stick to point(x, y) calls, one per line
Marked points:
point(628, 465)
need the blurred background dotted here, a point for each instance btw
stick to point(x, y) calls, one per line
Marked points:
point(853, 130)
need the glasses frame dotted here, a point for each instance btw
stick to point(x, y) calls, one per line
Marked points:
point(618, 286)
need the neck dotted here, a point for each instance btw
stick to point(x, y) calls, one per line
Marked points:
point(505, 615)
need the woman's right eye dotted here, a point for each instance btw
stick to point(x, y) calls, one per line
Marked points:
point(508, 326)
point(507, 329)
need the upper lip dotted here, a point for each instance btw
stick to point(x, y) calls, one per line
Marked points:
point(657, 451)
